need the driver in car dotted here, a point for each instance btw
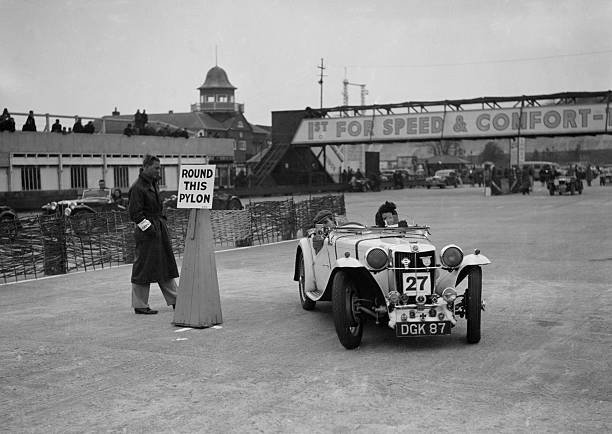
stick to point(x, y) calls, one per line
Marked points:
point(386, 216)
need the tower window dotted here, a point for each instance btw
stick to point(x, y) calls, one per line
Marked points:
point(210, 98)
point(222, 98)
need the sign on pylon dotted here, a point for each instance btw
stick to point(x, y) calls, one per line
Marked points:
point(198, 303)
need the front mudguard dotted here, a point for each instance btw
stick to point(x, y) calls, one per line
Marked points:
point(366, 284)
point(454, 277)
point(304, 248)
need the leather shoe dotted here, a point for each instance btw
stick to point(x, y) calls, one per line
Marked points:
point(144, 311)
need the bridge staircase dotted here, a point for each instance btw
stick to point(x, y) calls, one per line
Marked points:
point(269, 160)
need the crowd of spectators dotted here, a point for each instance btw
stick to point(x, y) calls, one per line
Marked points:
point(7, 123)
point(140, 126)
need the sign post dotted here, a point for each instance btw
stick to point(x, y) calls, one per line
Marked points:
point(198, 303)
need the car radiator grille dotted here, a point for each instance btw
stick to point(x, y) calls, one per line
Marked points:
point(416, 261)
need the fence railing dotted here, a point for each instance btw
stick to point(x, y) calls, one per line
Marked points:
point(44, 245)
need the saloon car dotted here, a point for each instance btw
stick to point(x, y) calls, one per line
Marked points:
point(564, 184)
point(393, 276)
point(91, 201)
point(442, 178)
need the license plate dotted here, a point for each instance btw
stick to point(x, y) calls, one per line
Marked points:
point(403, 329)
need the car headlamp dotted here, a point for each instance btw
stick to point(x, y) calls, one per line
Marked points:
point(449, 295)
point(376, 258)
point(67, 211)
point(451, 256)
point(72, 205)
point(53, 206)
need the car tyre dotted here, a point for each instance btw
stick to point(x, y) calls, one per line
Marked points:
point(473, 305)
point(307, 303)
point(349, 326)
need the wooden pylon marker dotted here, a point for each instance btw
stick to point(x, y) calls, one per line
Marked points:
point(198, 303)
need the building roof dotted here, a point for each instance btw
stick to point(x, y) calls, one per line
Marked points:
point(216, 78)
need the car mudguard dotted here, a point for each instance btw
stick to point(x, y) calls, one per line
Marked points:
point(366, 283)
point(82, 208)
point(309, 278)
point(8, 215)
point(455, 276)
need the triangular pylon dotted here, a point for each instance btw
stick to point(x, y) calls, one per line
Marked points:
point(198, 303)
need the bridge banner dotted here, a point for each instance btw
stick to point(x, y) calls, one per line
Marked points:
point(461, 124)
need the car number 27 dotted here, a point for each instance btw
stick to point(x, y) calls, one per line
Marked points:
point(414, 282)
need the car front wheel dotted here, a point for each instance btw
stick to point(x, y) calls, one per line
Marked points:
point(349, 325)
point(307, 303)
point(473, 305)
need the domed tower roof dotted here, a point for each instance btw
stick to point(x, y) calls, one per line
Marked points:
point(216, 78)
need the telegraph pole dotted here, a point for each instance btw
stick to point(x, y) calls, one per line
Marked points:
point(322, 68)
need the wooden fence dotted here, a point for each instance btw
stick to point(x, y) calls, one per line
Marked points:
point(44, 245)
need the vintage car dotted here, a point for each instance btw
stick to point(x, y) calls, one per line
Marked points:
point(392, 275)
point(564, 184)
point(91, 201)
point(442, 178)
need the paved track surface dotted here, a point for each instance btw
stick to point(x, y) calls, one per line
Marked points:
point(75, 358)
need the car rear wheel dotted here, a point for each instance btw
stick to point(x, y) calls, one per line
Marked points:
point(307, 303)
point(473, 304)
point(349, 325)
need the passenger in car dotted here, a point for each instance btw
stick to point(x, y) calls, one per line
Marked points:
point(386, 216)
point(323, 222)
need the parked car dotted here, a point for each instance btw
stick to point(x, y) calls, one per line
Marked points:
point(90, 202)
point(393, 276)
point(564, 184)
point(221, 200)
point(443, 178)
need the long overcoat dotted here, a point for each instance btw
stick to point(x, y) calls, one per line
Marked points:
point(153, 260)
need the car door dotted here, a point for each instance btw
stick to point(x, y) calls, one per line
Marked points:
point(322, 263)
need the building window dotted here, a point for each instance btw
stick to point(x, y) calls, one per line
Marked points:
point(222, 98)
point(210, 98)
point(242, 145)
point(78, 177)
point(240, 124)
point(121, 177)
point(30, 178)
point(162, 177)
point(241, 134)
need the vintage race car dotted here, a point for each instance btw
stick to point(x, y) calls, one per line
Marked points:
point(564, 184)
point(392, 275)
point(91, 201)
point(442, 178)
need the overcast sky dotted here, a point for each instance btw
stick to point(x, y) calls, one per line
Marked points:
point(86, 57)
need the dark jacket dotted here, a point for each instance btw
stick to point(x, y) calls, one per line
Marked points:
point(154, 260)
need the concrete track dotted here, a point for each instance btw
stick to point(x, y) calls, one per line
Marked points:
point(75, 358)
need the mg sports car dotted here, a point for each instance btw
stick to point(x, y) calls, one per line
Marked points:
point(394, 276)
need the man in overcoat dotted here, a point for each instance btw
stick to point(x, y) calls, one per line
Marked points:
point(153, 260)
